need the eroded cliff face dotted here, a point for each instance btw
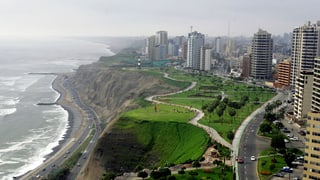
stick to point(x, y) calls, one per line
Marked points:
point(110, 91)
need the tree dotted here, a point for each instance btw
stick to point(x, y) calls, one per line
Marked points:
point(142, 174)
point(265, 127)
point(288, 158)
point(277, 142)
point(232, 113)
point(219, 112)
point(196, 164)
point(230, 135)
point(256, 100)
point(181, 171)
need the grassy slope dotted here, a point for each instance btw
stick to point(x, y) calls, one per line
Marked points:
point(166, 133)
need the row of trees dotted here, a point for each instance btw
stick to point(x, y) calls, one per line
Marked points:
point(220, 105)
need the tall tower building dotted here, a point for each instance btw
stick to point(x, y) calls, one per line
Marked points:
point(315, 106)
point(150, 44)
point(195, 42)
point(217, 44)
point(261, 56)
point(162, 38)
point(305, 47)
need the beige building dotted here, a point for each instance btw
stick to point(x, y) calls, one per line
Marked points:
point(303, 94)
point(312, 150)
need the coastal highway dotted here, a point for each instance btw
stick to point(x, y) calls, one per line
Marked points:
point(82, 121)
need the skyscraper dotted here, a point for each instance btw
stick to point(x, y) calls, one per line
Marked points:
point(305, 47)
point(195, 42)
point(316, 86)
point(261, 57)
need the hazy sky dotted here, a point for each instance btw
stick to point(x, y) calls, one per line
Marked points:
point(145, 17)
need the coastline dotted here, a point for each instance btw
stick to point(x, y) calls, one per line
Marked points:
point(72, 132)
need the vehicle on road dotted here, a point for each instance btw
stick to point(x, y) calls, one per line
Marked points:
point(252, 158)
point(286, 140)
point(240, 160)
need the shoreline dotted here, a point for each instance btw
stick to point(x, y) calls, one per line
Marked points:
point(56, 83)
point(67, 139)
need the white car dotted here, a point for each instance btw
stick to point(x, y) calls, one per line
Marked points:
point(252, 158)
point(294, 138)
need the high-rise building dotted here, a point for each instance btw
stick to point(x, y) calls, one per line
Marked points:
point(261, 56)
point(283, 77)
point(195, 42)
point(315, 105)
point(303, 94)
point(150, 47)
point(217, 45)
point(205, 58)
point(305, 47)
point(311, 164)
point(162, 38)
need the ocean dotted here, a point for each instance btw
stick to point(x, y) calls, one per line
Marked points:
point(29, 132)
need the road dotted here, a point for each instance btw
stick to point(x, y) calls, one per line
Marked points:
point(251, 145)
point(83, 120)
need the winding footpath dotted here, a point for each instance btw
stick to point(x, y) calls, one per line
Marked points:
point(199, 114)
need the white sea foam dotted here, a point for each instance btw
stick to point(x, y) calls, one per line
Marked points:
point(8, 81)
point(38, 157)
point(5, 112)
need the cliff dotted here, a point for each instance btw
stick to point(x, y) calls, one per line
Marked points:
point(110, 91)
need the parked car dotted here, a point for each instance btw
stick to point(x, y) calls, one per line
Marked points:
point(287, 169)
point(302, 133)
point(279, 175)
point(286, 140)
point(294, 138)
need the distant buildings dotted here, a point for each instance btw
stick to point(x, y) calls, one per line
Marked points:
point(261, 56)
point(205, 58)
point(283, 75)
point(245, 66)
point(195, 42)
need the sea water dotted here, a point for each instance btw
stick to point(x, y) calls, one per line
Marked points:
point(29, 132)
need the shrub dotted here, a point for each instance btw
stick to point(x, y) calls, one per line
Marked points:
point(274, 160)
point(264, 172)
point(263, 162)
point(272, 166)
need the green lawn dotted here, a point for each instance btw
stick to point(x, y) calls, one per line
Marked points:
point(164, 113)
point(166, 133)
point(264, 163)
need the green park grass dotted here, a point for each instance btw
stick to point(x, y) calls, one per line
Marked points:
point(264, 163)
point(166, 133)
point(206, 91)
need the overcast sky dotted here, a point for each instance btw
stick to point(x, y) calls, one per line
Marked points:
point(145, 17)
